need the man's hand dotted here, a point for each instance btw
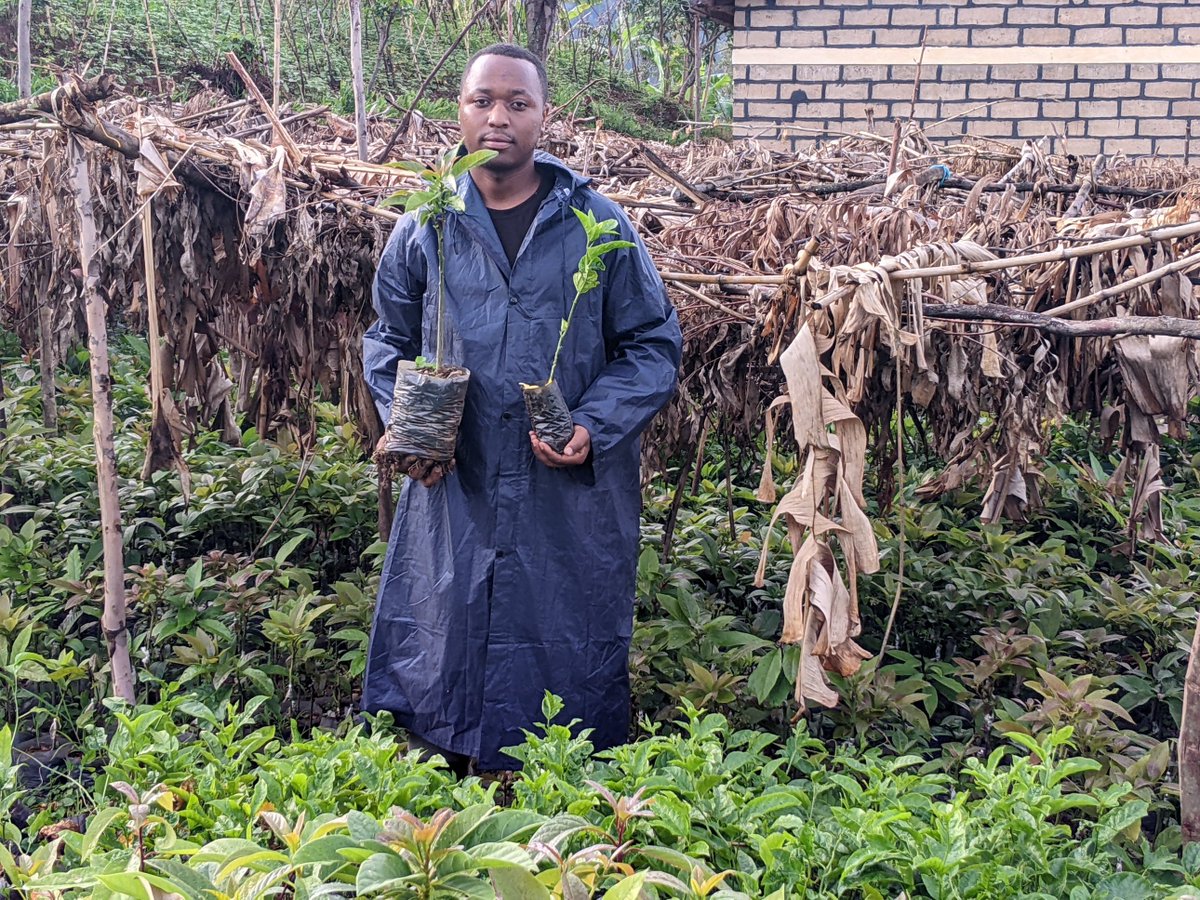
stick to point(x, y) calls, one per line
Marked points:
point(425, 471)
point(576, 453)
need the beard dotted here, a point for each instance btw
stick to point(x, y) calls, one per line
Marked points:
point(512, 161)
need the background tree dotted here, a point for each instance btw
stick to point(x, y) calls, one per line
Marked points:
point(539, 22)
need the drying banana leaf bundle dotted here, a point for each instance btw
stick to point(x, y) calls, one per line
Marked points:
point(826, 290)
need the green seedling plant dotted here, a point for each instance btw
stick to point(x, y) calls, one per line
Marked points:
point(431, 205)
point(587, 273)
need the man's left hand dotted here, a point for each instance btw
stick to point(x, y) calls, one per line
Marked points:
point(576, 453)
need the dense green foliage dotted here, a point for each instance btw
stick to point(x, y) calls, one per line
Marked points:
point(627, 64)
point(1016, 745)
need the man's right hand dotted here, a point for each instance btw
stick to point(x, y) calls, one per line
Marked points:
point(426, 471)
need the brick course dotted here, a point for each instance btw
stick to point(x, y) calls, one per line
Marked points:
point(1094, 75)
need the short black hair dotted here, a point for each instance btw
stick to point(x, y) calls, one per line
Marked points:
point(512, 51)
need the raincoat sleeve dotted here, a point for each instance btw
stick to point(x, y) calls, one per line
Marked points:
point(398, 292)
point(642, 343)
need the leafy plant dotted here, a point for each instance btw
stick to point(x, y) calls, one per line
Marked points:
point(587, 272)
point(431, 205)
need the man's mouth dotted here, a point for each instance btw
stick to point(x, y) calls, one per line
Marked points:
point(496, 142)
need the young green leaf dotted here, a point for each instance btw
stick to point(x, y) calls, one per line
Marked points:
point(465, 163)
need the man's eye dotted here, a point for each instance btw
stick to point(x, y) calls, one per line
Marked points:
point(481, 102)
point(519, 106)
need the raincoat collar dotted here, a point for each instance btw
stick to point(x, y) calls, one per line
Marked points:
point(479, 224)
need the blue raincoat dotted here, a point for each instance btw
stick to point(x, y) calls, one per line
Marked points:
point(509, 578)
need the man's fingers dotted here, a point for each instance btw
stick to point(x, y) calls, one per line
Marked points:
point(429, 472)
point(578, 444)
point(542, 452)
point(419, 469)
point(574, 454)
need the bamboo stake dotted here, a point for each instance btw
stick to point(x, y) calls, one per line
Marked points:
point(116, 633)
point(281, 135)
point(1110, 326)
point(1153, 235)
point(715, 304)
point(112, 15)
point(669, 209)
point(45, 332)
point(721, 280)
point(224, 107)
point(286, 120)
point(12, 283)
point(356, 71)
point(153, 50)
point(1184, 262)
point(256, 22)
point(696, 94)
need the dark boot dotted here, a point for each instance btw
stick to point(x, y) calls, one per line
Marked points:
point(457, 763)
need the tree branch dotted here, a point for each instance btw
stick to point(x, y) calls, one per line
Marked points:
point(43, 104)
point(1107, 327)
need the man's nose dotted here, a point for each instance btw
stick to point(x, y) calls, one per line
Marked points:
point(498, 115)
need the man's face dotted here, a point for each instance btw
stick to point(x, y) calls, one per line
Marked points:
point(501, 108)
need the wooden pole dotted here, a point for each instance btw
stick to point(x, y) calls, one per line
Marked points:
point(1111, 326)
point(1165, 233)
point(12, 283)
point(275, 70)
point(715, 304)
point(697, 111)
point(116, 633)
point(153, 50)
point(356, 72)
point(34, 107)
point(1189, 747)
point(24, 60)
point(281, 135)
point(721, 280)
point(46, 366)
point(161, 441)
point(1178, 265)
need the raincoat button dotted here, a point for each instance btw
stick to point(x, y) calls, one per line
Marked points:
point(512, 299)
point(506, 417)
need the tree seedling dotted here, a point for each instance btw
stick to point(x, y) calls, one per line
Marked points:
point(547, 408)
point(428, 399)
point(431, 205)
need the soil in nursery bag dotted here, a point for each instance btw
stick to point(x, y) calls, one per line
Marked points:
point(427, 408)
point(549, 414)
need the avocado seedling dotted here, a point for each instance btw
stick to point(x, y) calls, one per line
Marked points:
point(544, 402)
point(428, 400)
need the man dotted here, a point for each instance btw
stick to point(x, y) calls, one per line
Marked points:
point(512, 573)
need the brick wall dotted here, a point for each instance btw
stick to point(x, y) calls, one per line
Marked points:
point(1097, 75)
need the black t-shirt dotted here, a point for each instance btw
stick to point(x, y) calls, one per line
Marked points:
point(513, 224)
